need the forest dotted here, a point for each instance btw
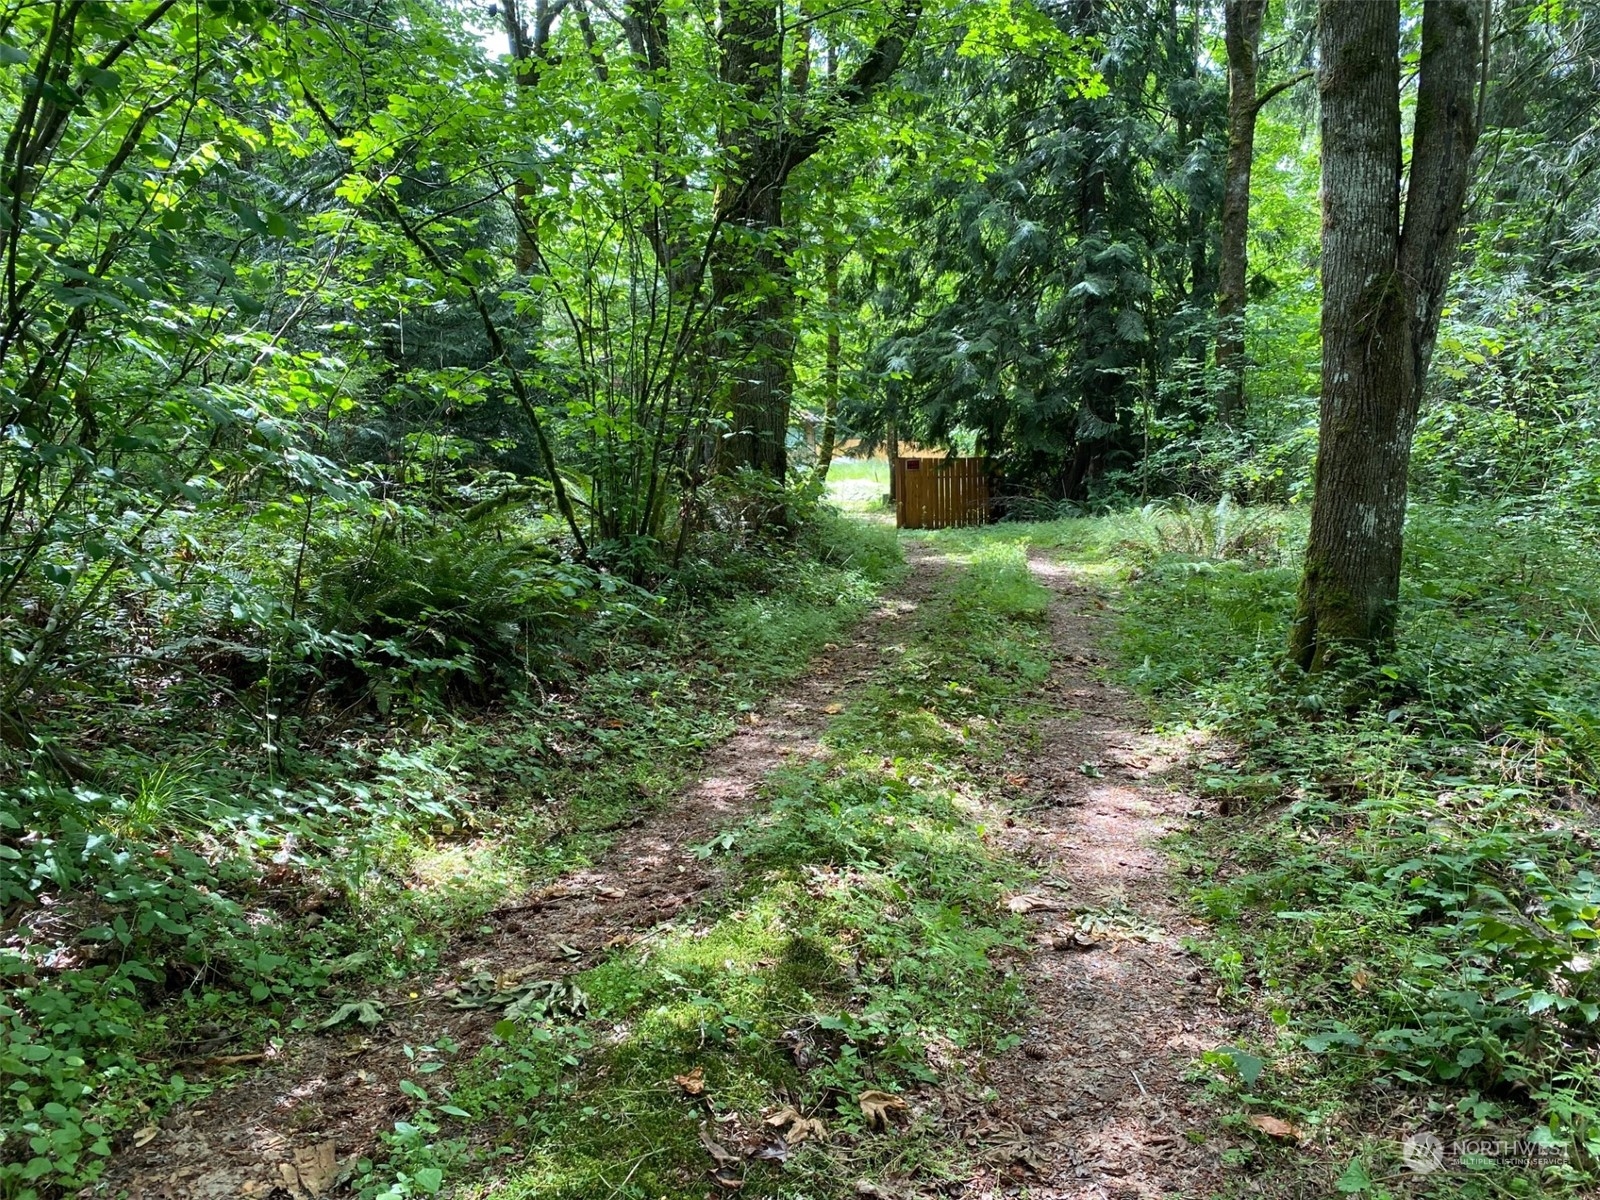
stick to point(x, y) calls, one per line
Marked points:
point(470, 724)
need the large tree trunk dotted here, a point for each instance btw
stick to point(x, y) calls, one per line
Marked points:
point(1382, 294)
point(753, 287)
point(1243, 36)
point(751, 277)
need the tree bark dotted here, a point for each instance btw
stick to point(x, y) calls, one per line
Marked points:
point(830, 372)
point(753, 289)
point(530, 50)
point(1242, 20)
point(753, 284)
point(1383, 290)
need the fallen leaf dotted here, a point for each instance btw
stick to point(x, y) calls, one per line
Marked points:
point(143, 1137)
point(720, 1154)
point(876, 1107)
point(1033, 902)
point(317, 1166)
point(798, 1128)
point(727, 1181)
point(1276, 1127)
point(694, 1083)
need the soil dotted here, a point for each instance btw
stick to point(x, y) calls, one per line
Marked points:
point(1093, 1104)
point(291, 1127)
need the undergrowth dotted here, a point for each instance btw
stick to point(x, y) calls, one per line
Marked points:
point(858, 960)
point(213, 876)
point(1403, 874)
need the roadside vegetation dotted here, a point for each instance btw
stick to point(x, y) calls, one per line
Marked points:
point(327, 827)
point(1398, 865)
point(418, 420)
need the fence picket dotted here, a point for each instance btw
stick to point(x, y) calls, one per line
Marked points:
point(937, 493)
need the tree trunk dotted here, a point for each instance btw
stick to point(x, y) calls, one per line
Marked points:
point(753, 287)
point(892, 439)
point(830, 372)
point(753, 284)
point(1243, 36)
point(1383, 290)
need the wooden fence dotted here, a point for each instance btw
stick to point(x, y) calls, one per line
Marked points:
point(935, 493)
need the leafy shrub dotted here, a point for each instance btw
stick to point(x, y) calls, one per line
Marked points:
point(470, 607)
point(1406, 887)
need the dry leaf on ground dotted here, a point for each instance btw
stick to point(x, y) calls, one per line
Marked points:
point(797, 1128)
point(694, 1083)
point(876, 1107)
point(317, 1166)
point(1277, 1127)
point(1075, 940)
point(720, 1154)
point(1033, 902)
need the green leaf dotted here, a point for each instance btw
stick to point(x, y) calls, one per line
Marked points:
point(412, 1090)
point(365, 1012)
point(429, 1179)
point(1247, 1066)
point(1355, 1180)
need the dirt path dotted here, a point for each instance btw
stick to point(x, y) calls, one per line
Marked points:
point(1092, 1104)
point(291, 1127)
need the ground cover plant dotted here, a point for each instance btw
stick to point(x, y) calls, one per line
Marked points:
point(1400, 879)
point(859, 954)
point(211, 903)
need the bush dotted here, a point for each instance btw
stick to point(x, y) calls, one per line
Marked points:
point(1402, 882)
point(476, 608)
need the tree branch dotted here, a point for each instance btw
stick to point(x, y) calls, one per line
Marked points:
point(1279, 88)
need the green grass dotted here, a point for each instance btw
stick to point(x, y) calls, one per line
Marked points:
point(858, 484)
point(197, 875)
point(1402, 888)
point(861, 949)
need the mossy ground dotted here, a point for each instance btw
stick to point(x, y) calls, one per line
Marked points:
point(861, 947)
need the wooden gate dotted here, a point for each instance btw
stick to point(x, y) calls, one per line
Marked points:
point(935, 493)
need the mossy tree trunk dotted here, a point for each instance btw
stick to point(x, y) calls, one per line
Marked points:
point(753, 283)
point(1242, 25)
point(1383, 288)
